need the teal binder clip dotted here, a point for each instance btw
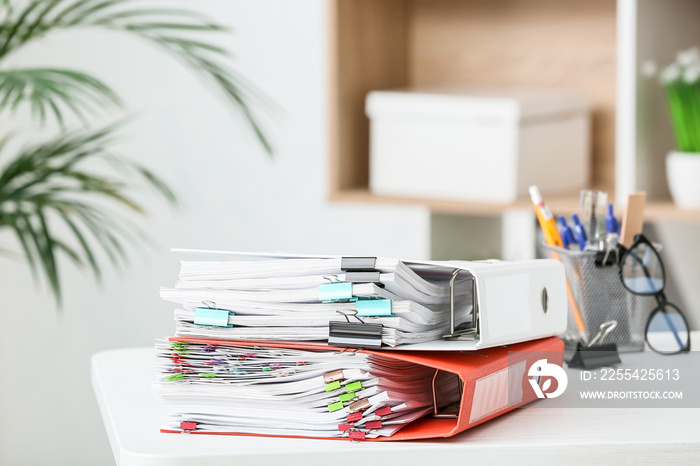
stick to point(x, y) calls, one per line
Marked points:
point(212, 317)
point(335, 290)
point(374, 308)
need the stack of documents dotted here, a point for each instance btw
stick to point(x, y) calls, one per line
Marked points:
point(296, 299)
point(289, 392)
point(305, 346)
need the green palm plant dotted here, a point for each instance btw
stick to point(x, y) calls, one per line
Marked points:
point(58, 181)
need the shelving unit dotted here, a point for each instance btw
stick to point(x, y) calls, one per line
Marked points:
point(595, 46)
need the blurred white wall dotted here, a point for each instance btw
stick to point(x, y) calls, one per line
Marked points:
point(232, 197)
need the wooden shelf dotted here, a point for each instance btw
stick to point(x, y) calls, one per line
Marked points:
point(385, 44)
point(560, 205)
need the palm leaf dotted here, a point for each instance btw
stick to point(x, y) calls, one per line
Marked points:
point(55, 90)
point(58, 182)
point(179, 32)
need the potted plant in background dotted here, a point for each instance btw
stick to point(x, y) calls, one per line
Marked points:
point(681, 83)
point(65, 178)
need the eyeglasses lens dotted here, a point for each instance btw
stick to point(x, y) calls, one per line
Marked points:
point(642, 272)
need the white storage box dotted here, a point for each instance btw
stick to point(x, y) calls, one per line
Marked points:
point(477, 146)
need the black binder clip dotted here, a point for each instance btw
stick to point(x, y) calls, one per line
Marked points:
point(360, 270)
point(594, 355)
point(358, 264)
point(609, 256)
point(354, 335)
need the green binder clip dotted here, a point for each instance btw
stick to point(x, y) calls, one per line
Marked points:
point(354, 386)
point(379, 307)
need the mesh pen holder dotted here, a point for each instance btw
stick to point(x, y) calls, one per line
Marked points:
point(597, 294)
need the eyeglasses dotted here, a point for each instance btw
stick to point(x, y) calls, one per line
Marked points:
point(642, 272)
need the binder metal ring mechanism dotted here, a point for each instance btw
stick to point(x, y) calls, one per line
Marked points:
point(506, 305)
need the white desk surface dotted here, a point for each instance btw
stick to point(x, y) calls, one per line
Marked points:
point(132, 414)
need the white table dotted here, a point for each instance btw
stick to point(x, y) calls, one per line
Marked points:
point(132, 414)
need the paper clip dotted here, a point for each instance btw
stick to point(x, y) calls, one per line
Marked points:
point(179, 347)
point(208, 349)
point(180, 362)
point(285, 372)
point(377, 307)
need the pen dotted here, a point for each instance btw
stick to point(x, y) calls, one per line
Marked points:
point(546, 219)
point(567, 236)
point(613, 228)
point(611, 223)
point(581, 236)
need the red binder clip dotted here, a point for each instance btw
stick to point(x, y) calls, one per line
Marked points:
point(344, 427)
point(383, 411)
point(374, 425)
point(357, 435)
point(354, 417)
point(188, 426)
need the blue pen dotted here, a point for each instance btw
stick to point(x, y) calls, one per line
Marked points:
point(580, 232)
point(611, 223)
point(567, 236)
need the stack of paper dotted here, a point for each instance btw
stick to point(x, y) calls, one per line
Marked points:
point(286, 392)
point(293, 299)
point(300, 346)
